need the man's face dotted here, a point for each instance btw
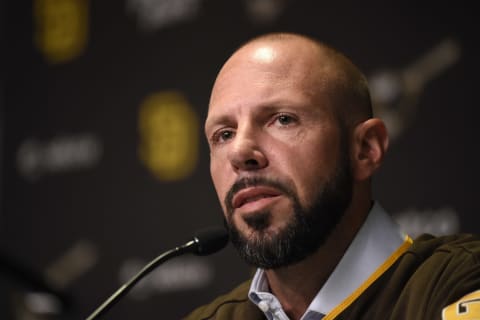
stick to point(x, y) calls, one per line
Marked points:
point(279, 160)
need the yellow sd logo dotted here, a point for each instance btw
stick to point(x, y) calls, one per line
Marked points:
point(61, 28)
point(168, 136)
point(467, 308)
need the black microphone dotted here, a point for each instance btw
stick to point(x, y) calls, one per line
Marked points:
point(204, 242)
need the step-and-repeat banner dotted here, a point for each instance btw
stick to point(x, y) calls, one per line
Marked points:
point(103, 160)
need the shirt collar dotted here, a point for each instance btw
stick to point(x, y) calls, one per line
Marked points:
point(376, 240)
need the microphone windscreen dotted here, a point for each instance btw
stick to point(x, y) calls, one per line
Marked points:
point(210, 240)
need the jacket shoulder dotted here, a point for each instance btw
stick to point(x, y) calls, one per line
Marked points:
point(233, 305)
point(467, 245)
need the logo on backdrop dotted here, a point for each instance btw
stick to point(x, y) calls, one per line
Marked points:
point(61, 28)
point(157, 14)
point(182, 274)
point(438, 222)
point(265, 12)
point(395, 92)
point(60, 154)
point(168, 135)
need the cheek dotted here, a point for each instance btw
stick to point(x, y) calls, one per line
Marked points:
point(310, 167)
point(219, 180)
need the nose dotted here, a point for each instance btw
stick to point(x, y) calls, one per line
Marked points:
point(246, 153)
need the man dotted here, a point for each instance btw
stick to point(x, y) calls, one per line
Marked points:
point(293, 147)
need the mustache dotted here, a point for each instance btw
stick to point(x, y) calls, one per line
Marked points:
point(247, 182)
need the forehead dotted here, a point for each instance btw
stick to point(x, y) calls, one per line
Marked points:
point(292, 59)
point(270, 74)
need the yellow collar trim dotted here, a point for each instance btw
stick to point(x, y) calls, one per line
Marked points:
point(375, 275)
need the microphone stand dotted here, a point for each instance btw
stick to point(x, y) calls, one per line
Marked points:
point(110, 302)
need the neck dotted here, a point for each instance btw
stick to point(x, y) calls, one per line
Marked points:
point(289, 284)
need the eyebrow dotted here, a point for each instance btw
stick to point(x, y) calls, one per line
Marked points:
point(214, 120)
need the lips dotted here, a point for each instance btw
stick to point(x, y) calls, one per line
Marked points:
point(252, 194)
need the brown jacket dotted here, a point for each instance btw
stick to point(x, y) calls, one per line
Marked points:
point(431, 274)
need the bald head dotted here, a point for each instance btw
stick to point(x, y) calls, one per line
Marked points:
point(322, 69)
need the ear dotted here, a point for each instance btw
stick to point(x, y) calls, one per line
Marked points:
point(369, 144)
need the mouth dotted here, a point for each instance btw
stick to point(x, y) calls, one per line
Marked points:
point(257, 194)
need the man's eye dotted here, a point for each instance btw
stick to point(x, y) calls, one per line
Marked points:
point(285, 119)
point(225, 135)
point(222, 136)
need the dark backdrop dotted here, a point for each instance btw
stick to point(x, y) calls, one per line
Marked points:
point(104, 163)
